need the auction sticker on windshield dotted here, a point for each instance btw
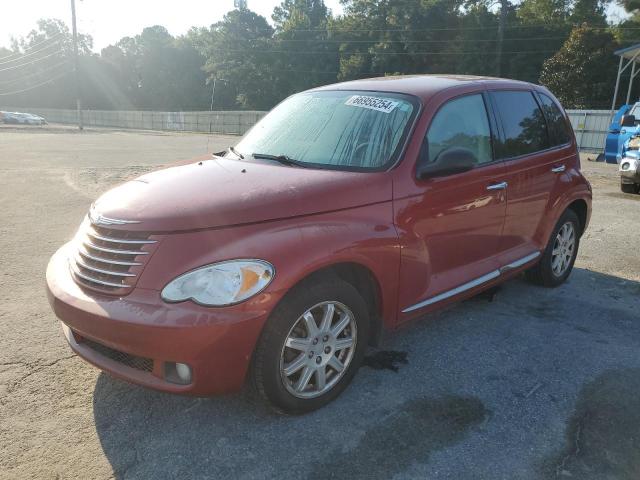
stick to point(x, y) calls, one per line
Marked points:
point(374, 103)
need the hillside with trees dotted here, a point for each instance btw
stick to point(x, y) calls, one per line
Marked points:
point(255, 63)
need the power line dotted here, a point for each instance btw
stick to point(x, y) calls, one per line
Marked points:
point(17, 54)
point(32, 61)
point(289, 52)
point(53, 79)
point(441, 29)
point(34, 74)
point(382, 40)
point(28, 54)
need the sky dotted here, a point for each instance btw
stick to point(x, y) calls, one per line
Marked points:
point(107, 21)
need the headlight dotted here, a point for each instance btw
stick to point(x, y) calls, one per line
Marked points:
point(220, 284)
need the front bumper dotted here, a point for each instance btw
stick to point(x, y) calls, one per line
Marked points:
point(629, 170)
point(217, 343)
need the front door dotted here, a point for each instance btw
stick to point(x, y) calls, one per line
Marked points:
point(450, 229)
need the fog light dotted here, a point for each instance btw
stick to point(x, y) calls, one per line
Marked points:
point(179, 373)
point(184, 372)
point(625, 165)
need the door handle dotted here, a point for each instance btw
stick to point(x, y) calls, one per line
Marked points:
point(497, 186)
point(559, 169)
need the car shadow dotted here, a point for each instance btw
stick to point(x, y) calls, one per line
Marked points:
point(493, 387)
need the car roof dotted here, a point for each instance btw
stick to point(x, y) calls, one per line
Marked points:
point(423, 86)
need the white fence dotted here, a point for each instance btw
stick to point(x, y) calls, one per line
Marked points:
point(227, 122)
point(590, 126)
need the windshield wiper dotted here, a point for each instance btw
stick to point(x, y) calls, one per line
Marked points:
point(284, 159)
point(237, 153)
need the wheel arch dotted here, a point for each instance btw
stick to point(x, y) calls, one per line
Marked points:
point(581, 209)
point(363, 280)
point(576, 200)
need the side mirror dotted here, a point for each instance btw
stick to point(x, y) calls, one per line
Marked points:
point(628, 121)
point(448, 162)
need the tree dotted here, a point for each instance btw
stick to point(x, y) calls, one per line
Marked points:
point(40, 66)
point(304, 56)
point(547, 12)
point(388, 37)
point(149, 70)
point(237, 50)
point(591, 12)
point(583, 71)
point(255, 65)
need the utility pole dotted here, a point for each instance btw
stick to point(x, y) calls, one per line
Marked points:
point(504, 5)
point(213, 90)
point(76, 63)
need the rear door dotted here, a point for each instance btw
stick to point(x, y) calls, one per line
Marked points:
point(534, 165)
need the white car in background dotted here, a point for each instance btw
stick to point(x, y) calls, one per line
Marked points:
point(20, 118)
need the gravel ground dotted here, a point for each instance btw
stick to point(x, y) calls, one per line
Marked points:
point(532, 383)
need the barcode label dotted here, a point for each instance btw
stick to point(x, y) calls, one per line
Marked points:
point(373, 103)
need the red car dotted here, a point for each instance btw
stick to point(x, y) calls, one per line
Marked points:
point(347, 211)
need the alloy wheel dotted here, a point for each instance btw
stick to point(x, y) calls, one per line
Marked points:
point(563, 249)
point(318, 349)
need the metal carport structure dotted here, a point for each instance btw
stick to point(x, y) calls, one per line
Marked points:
point(628, 56)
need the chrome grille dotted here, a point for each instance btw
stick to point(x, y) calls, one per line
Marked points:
point(109, 260)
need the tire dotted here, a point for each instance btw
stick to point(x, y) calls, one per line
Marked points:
point(553, 269)
point(286, 324)
point(628, 187)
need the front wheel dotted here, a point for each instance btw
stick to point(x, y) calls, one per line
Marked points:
point(311, 346)
point(558, 258)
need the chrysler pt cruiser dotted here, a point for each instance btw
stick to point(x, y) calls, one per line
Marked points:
point(346, 212)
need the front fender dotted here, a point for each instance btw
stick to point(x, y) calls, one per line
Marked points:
point(296, 247)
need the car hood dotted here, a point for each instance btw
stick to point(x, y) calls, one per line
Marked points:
point(220, 192)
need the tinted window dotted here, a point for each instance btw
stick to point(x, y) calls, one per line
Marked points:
point(556, 123)
point(461, 122)
point(525, 130)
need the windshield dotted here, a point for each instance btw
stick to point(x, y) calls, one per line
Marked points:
point(334, 129)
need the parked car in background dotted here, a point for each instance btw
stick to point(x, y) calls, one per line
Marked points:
point(347, 211)
point(19, 118)
point(629, 169)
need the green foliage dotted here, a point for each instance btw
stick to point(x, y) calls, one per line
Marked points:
point(584, 68)
point(237, 53)
point(254, 64)
point(303, 55)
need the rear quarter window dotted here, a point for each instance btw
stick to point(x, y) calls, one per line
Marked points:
point(556, 123)
point(524, 126)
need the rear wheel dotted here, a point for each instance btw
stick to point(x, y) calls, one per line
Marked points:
point(558, 258)
point(311, 346)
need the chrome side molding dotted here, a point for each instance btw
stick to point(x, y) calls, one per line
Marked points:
point(473, 283)
point(498, 186)
point(519, 263)
point(454, 291)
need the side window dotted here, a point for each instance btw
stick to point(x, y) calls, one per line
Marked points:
point(461, 122)
point(556, 123)
point(525, 130)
